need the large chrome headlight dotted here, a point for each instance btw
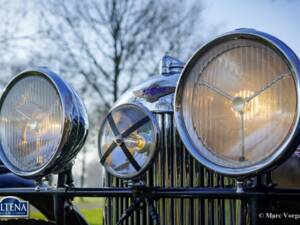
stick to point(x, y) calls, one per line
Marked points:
point(43, 123)
point(237, 103)
point(128, 140)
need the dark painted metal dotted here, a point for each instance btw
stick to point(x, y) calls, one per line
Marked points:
point(59, 209)
point(160, 192)
point(180, 195)
point(10, 180)
point(44, 203)
point(59, 200)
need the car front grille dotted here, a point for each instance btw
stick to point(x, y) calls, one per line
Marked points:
point(175, 167)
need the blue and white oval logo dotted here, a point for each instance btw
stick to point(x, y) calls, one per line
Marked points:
point(13, 207)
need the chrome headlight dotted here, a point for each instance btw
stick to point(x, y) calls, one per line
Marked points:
point(43, 123)
point(237, 103)
point(128, 140)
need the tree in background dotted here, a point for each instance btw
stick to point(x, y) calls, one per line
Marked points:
point(113, 44)
point(103, 47)
point(14, 38)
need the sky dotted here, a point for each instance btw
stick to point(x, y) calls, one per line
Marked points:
point(280, 18)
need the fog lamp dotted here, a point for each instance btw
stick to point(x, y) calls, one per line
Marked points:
point(237, 103)
point(43, 123)
point(128, 140)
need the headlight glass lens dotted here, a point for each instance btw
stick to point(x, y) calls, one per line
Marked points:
point(239, 103)
point(31, 123)
point(127, 140)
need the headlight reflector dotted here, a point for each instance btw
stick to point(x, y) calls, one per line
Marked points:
point(31, 125)
point(39, 112)
point(236, 102)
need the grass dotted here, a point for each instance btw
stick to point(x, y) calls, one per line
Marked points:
point(93, 216)
point(91, 209)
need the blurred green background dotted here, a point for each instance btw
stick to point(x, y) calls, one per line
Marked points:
point(91, 209)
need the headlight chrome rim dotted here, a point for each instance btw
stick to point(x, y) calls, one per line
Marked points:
point(155, 147)
point(289, 145)
point(72, 123)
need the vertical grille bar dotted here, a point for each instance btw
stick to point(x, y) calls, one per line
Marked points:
point(191, 179)
point(168, 164)
point(161, 168)
point(176, 171)
point(175, 167)
point(150, 182)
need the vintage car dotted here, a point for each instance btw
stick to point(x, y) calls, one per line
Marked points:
point(211, 141)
